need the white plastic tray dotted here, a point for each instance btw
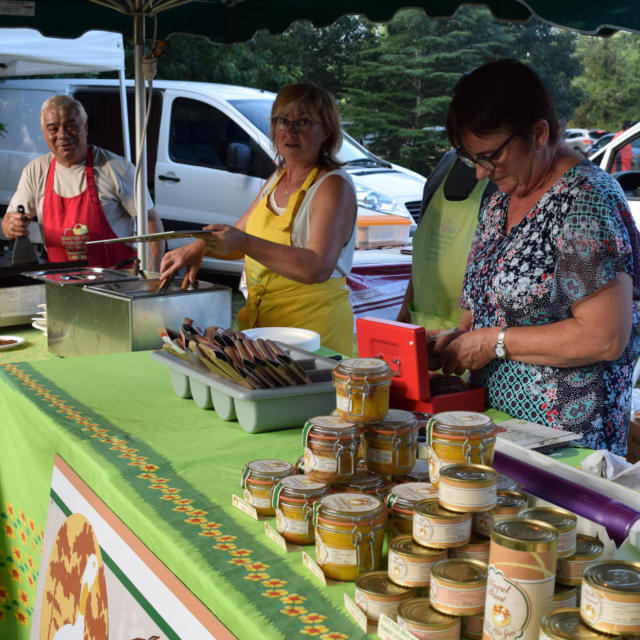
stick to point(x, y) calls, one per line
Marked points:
point(257, 410)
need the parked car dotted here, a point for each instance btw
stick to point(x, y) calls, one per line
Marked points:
point(582, 139)
point(601, 142)
point(208, 154)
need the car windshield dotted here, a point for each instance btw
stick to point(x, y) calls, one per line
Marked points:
point(351, 153)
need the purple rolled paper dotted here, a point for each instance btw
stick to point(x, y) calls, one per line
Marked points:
point(615, 516)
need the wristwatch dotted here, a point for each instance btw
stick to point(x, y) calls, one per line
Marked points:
point(500, 349)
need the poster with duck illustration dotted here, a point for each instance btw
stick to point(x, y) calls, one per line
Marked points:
point(98, 581)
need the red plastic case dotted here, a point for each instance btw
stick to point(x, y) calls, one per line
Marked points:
point(404, 347)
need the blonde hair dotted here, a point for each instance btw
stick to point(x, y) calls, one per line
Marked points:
point(321, 105)
point(65, 102)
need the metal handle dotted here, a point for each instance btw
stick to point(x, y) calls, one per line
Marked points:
point(169, 178)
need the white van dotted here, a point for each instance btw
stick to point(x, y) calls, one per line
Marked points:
point(208, 151)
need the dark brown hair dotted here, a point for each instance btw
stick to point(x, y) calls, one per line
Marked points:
point(504, 95)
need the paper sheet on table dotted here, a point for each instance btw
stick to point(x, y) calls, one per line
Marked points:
point(613, 467)
point(534, 436)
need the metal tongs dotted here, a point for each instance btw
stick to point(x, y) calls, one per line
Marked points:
point(165, 283)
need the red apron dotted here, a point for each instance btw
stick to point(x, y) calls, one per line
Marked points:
point(70, 222)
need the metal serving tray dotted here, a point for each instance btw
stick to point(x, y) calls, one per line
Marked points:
point(80, 277)
point(257, 410)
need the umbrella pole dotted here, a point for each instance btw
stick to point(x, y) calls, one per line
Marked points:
point(141, 147)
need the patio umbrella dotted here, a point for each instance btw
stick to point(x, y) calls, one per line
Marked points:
point(227, 21)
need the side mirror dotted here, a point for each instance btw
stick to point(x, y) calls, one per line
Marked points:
point(238, 157)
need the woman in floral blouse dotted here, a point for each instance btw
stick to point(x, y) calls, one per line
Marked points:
point(550, 325)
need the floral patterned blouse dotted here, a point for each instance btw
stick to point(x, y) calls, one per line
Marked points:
point(577, 237)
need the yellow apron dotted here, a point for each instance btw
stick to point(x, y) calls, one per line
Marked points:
point(441, 246)
point(276, 301)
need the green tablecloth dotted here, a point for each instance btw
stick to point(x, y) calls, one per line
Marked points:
point(33, 348)
point(168, 470)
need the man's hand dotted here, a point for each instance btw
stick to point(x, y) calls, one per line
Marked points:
point(15, 224)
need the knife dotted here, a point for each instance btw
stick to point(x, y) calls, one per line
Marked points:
point(152, 237)
point(23, 251)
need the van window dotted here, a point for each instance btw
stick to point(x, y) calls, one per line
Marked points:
point(20, 113)
point(202, 135)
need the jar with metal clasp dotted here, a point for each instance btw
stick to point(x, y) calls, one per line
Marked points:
point(391, 444)
point(258, 478)
point(459, 436)
point(362, 389)
point(364, 481)
point(401, 501)
point(349, 532)
point(293, 499)
point(330, 448)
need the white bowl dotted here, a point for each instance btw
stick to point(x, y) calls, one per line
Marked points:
point(301, 338)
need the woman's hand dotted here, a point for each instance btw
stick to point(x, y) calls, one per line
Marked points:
point(189, 256)
point(224, 240)
point(470, 350)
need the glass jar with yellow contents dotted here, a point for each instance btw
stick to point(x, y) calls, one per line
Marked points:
point(293, 499)
point(362, 389)
point(330, 448)
point(391, 444)
point(364, 481)
point(459, 436)
point(401, 502)
point(258, 478)
point(349, 531)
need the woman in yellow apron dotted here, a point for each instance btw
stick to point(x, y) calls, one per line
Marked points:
point(298, 235)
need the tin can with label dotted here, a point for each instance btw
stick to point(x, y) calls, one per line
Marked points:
point(589, 550)
point(459, 436)
point(521, 578)
point(508, 505)
point(458, 586)
point(425, 623)
point(610, 597)
point(349, 532)
point(564, 596)
point(293, 498)
point(258, 479)
point(402, 500)
point(565, 523)
point(566, 624)
point(467, 487)
point(435, 526)
point(330, 448)
point(362, 389)
point(472, 626)
point(410, 563)
point(476, 549)
point(391, 444)
point(376, 594)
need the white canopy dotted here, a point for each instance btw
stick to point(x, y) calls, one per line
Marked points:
point(26, 52)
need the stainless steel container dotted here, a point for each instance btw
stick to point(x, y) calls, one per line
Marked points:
point(93, 311)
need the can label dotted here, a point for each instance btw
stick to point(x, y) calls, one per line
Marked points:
point(567, 542)
point(289, 525)
point(333, 555)
point(313, 462)
point(410, 574)
point(429, 533)
point(435, 463)
point(605, 614)
point(373, 608)
point(261, 503)
point(453, 633)
point(481, 498)
point(456, 601)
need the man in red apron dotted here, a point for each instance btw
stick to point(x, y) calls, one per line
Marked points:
point(78, 193)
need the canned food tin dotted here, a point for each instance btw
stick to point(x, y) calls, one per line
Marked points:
point(410, 563)
point(564, 596)
point(293, 498)
point(419, 473)
point(391, 444)
point(565, 624)
point(472, 625)
point(258, 479)
point(564, 521)
point(508, 505)
point(458, 586)
point(520, 583)
point(476, 549)
point(376, 594)
point(402, 500)
point(610, 597)
point(459, 436)
point(426, 623)
point(349, 532)
point(589, 550)
point(330, 448)
point(467, 487)
point(507, 483)
point(435, 526)
point(364, 481)
point(362, 389)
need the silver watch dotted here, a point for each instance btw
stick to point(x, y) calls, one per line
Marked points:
point(500, 349)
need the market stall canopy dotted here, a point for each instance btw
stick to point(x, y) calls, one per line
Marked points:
point(229, 21)
point(25, 52)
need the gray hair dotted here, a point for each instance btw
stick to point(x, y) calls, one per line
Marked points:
point(66, 102)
